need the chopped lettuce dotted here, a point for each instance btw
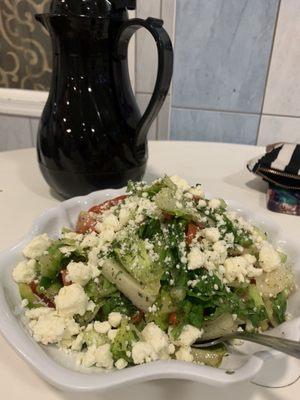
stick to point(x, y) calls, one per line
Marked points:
point(122, 344)
point(134, 257)
point(279, 307)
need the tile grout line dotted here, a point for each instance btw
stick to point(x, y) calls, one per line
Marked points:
point(281, 115)
point(268, 71)
point(157, 118)
point(232, 111)
point(172, 83)
point(215, 110)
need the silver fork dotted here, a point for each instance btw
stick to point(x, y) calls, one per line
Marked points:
point(290, 347)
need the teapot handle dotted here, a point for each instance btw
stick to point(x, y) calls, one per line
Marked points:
point(164, 75)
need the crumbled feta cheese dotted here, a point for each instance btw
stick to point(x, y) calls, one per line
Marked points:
point(124, 216)
point(73, 236)
point(111, 221)
point(180, 182)
point(104, 358)
point(47, 328)
point(114, 319)
point(214, 204)
point(197, 191)
point(72, 328)
point(188, 336)
point(89, 357)
point(219, 253)
point(102, 327)
point(78, 272)
point(171, 348)
point(143, 352)
point(36, 313)
point(201, 203)
point(196, 258)
point(153, 308)
point(24, 303)
point(71, 300)
point(121, 363)
point(241, 267)
point(67, 250)
point(128, 353)
point(78, 342)
point(25, 271)
point(107, 233)
point(184, 354)
point(269, 258)
point(90, 240)
point(229, 238)
point(157, 338)
point(111, 334)
point(211, 234)
point(91, 306)
point(37, 246)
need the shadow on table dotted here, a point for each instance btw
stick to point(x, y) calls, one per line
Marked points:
point(256, 183)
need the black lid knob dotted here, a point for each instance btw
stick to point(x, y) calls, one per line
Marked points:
point(129, 4)
point(92, 8)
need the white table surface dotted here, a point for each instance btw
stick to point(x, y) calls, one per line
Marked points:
point(221, 169)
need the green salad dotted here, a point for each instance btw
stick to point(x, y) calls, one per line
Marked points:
point(145, 275)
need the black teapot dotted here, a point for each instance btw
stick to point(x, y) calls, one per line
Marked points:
point(92, 135)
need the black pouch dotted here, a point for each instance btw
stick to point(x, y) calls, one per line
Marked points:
point(280, 167)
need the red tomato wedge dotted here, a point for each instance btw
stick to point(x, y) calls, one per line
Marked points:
point(191, 233)
point(86, 220)
point(173, 319)
point(85, 223)
point(136, 318)
point(98, 209)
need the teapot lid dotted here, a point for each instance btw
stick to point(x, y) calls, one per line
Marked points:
point(90, 8)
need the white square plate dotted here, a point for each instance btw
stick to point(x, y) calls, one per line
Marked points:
point(60, 370)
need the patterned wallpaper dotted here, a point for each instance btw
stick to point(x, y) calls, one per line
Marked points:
point(25, 52)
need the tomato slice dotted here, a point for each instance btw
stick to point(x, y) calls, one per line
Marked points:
point(136, 318)
point(85, 223)
point(191, 233)
point(200, 225)
point(98, 209)
point(86, 220)
point(167, 216)
point(64, 274)
point(173, 319)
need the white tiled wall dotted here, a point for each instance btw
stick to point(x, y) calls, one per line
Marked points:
point(15, 132)
point(281, 111)
point(146, 62)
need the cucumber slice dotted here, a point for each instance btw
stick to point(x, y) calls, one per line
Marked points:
point(50, 264)
point(211, 356)
point(51, 291)
point(26, 293)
